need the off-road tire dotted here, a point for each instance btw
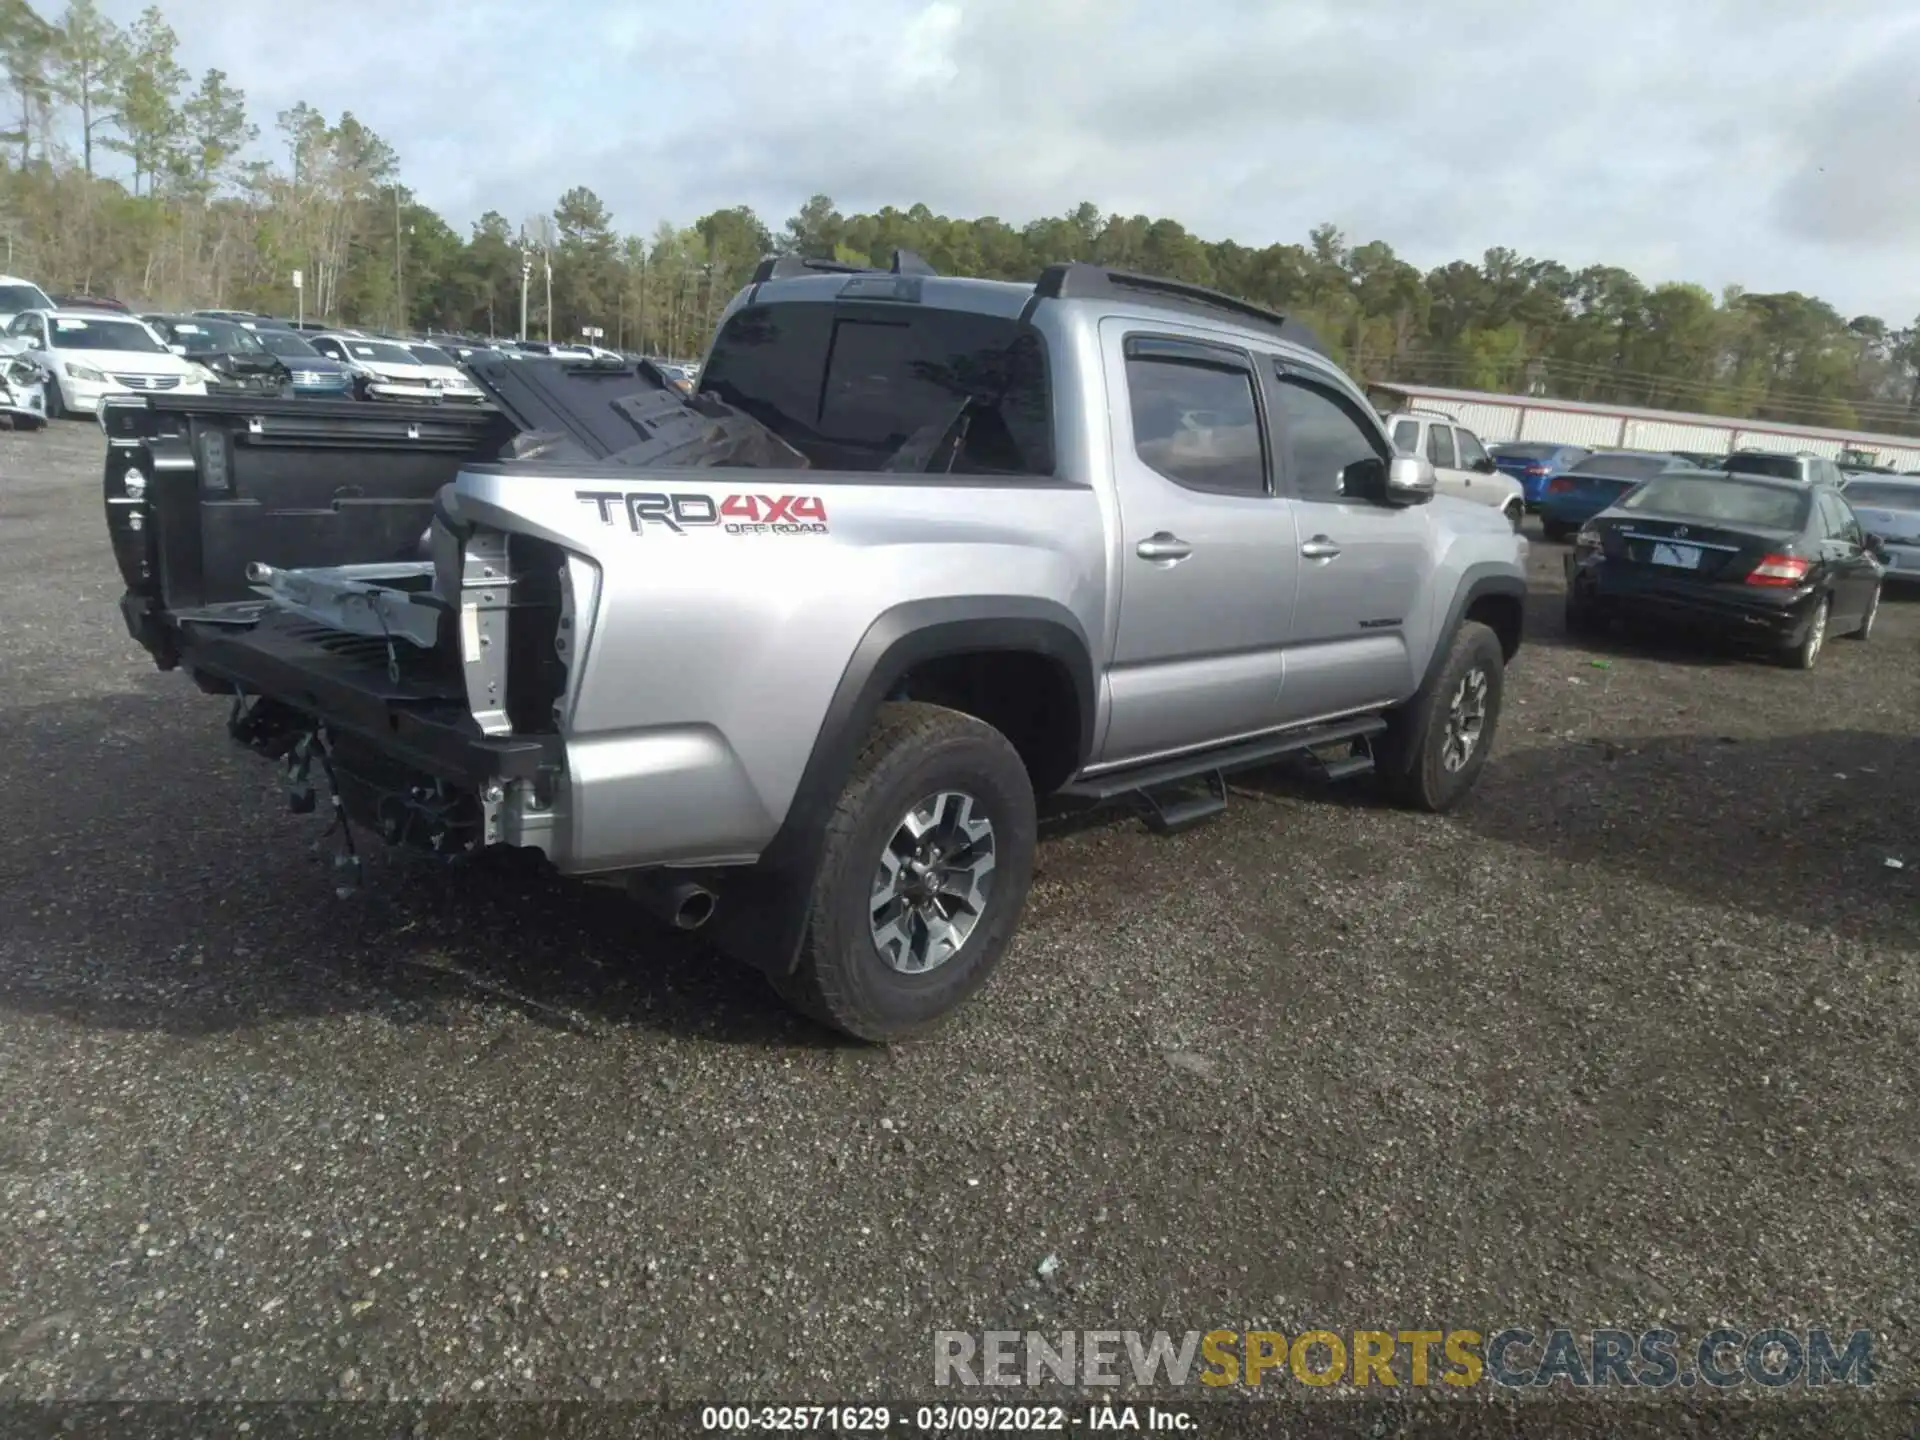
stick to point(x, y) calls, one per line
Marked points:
point(913, 751)
point(1408, 759)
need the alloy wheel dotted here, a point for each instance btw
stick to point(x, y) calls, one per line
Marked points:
point(1466, 719)
point(933, 883)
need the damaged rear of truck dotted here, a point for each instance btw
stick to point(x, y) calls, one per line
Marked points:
point(496, 625)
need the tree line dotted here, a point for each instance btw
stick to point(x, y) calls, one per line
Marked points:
point(191, 215)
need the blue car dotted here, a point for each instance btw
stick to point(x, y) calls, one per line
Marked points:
point(315, 376)
point(1534, 463)
point(1584, 490)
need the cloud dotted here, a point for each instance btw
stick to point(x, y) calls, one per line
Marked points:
point(1763, 142)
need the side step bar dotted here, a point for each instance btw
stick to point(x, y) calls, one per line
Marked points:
point(1166, 813)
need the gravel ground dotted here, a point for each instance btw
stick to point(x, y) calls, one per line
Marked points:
point(1627, 1040)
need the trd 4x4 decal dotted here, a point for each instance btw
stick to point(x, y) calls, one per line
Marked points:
point(681, 511)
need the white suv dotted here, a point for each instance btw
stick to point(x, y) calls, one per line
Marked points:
point(1461, 464)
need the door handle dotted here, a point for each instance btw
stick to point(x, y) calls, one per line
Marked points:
point(1319, 548)
point(1163, 547)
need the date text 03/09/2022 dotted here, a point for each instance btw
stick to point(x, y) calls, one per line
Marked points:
point(943, 1419)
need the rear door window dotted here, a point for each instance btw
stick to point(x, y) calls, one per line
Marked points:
point(1440, 447)
point(1195, 419)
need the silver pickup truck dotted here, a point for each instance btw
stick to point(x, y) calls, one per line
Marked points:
point(795, 658)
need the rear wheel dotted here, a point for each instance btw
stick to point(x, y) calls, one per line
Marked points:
point(927, 862)
point(1873, 613)
point(1806, 654)
point(1436, 745)
point(1555, 529)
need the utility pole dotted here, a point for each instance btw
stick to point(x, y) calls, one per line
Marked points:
point(399, 284)
point(526, 275)
point(642, 346)
point(547, 256)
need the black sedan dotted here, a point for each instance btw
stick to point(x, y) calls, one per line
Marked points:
point(235, 360)
point(1775, 562)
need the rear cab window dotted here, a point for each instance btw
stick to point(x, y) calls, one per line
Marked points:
point(873, 386)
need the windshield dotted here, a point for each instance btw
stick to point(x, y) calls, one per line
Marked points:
point(379, 352)
point(214, 337)
point(1786, 467)
point(1880, 495)
point(1624, 467)
point(15, 298)
point(429, 355)
point(286, 344)
point(1721, 500)
point(72, 333)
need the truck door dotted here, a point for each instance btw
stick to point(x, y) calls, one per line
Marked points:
point(1363, 567)
point(1207, 557)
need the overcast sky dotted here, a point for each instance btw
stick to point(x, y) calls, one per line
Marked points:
point(1770, 143)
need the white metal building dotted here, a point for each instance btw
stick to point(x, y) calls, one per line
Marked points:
point(1572, 422)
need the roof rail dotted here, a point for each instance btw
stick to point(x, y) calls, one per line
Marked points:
point(1436, 414)
point(1075, 280)
point(786, 267)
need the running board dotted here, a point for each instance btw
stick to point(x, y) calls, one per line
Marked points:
point(1244, 756)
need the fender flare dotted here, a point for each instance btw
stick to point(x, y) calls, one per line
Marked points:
point(1476, 583)
point(763, 918)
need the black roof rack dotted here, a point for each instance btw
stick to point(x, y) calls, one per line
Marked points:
point(786, 267)
point(1076, 280)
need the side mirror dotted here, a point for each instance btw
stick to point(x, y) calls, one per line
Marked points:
point(1485, 466)
point(178, 349)
point(34, 342)
point(1402, 480)
point(1875, 545)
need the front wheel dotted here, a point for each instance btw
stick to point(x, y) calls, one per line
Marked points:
point(927, 862)
point(1436, 746)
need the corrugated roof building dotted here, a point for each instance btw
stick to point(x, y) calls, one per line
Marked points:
point(1625, 427)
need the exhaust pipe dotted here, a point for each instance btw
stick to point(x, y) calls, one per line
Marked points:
point(682, 904)
point(259, 574)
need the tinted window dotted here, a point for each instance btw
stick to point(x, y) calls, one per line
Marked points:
point(1406, 435)
point(205, 337)
point(1197, 424)
point(286, 344)
point(1840, 521)
point(103, 334)
point(1787, 467)
point(1471, 451)
point(1320, 438)
point(15, 298)
point(1440, 446)
point(1878, 495)
point(1623, 467)
point(863, 387)
point(1723, 501)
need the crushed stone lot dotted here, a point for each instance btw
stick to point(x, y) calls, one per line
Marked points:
point(1628, 1040)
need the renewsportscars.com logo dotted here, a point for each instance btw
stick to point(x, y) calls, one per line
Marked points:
point(1512, 1358)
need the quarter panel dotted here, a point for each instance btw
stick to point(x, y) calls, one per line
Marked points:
point(742, 636)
